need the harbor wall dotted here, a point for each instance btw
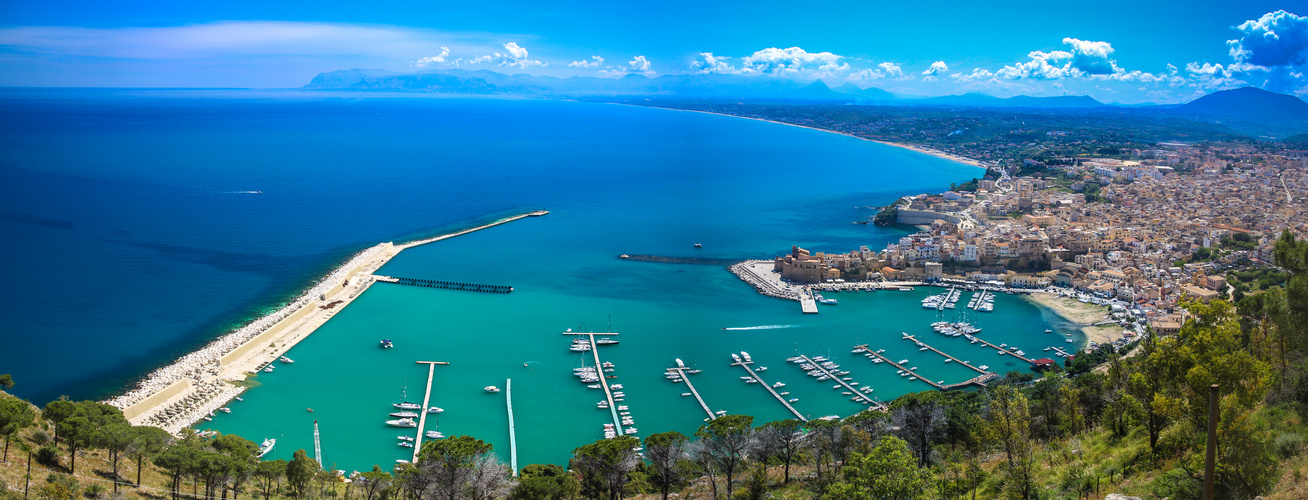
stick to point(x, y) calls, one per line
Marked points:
point(156, 399)
point(267, 335)
point(919, 217)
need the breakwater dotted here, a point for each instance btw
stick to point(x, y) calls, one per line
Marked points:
point(211, 372)
point(704, 261)
point(447, 285)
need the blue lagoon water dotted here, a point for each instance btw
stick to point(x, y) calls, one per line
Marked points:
point(140, 224)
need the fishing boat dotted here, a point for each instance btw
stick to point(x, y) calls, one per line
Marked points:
point(266, 446)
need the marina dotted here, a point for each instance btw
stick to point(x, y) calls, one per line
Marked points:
point(1005, 350)
point(744, 363)
point(977, 381)
point(942, 353)
point(603, 380)
point(426, 400)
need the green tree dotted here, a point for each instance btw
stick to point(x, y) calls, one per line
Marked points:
point(177, 461)
point(921, 421)
point(449, 463)
point(117, 439)
point(6, 381)
point(77, 432)
point(269, 474)
point(300, 471)
point(888, 472)
point(784, 439)
point(235, 446)
point(1010, 426)
point(545, 482)
point(608, 461)
point(374, 481)
point(15, 414)
point(665, 452)
point(148, 442)
point(726, 441)
point(56, 411)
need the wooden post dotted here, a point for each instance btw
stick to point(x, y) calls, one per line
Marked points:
point(28, 479)
point(1210, 462)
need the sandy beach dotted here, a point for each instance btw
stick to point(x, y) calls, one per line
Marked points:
point(920, 149)
point(1082, 314)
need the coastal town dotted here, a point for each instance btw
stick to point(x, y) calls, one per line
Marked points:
point(1174, 223)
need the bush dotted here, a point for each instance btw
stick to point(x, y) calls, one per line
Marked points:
point(1288, 444)
point(48, 455)
point(94, 491)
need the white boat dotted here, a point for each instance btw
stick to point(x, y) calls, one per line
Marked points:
point(615, 386)
point(403, 422)
point(268, 369)
point(792, 400)
point(491, 388)
point(404, 414)
point(406, 444)
point(778, 384)
point(902, 361)
point(761, 369)
point(435, 409)
point(680, 364)
point(751, 381)
point(405, 438)
point(266, 446)
point(405, 405)
point(745, 355)
point(685, 394)
point(434, 435)
point(984, 367)
point(286, 360)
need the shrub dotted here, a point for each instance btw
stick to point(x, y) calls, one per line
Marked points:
point(48, 455)
point(1289, 444)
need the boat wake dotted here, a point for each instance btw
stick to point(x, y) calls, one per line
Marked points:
point(761, 327)
point(242, 192)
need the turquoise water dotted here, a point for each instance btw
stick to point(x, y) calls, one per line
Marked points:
point(142, 242)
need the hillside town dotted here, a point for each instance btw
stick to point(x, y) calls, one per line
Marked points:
point(1174, 222)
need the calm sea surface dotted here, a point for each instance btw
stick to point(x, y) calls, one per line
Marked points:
point(139, 224)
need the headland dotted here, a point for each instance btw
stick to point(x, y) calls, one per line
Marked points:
point(195, 385)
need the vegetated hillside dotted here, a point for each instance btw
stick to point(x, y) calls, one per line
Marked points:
point(1252, 111)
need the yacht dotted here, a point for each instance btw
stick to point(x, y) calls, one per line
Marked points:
point(403, 422)
point(745, 355)
point(435, 409)
point(405, 405)
point(268, 369)
point(792, 400)
point(405, 438)
point(685, 394)
point(615, 386)
point(735, 357)
point(491, 388)
point(761, 369)
point(266, 446)
point(751, 381)
point(405, 414)
point(984, 367)
point(434, 435)
point(778, 384)
point(286, 360)
point(902, 361)
point(606, 341)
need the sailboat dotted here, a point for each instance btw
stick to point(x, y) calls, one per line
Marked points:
point(406, 405)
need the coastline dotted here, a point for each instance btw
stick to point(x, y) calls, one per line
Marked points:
point(1081, 314)
point(911, 147)
point(190, 388)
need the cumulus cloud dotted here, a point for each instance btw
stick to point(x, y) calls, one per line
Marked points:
point(1275, 39)
point(793, 61)
point(976, 74)
point(1086, 58)
point(936, 68)
point(638, 65)
point(429, 60)
point(517, 56)
point(891, 69)
point(707, 63)
point(593, 62)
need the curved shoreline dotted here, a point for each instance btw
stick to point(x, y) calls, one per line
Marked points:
point(911, 147)
point(176, 395)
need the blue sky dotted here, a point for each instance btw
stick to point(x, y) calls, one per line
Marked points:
point(1158, 51)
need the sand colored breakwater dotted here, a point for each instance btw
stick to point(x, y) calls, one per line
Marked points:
point(192, 387)
point(1082, 314)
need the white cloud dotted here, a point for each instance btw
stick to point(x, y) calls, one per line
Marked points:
point(891, 69)
point(1275, 39)
point(706, 63)
point(976, 74)
point(936, 68)
point(637, 65)
point(429, 60)
point(517, 56)
point(793, 61)
point(593, 62)
point(1086, 58)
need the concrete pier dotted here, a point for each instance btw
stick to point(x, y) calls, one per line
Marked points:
point(1006, 351)
point(426, 399)
point(899, 366)
point(745, 365)
point(977, 381)
point(681, 372)
point(604, 381)
point(942, 353)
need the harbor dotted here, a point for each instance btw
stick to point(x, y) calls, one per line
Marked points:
point(744, 362)
point(682, 374)
point(839, 378)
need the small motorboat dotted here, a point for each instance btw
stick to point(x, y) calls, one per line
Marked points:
point(435, 410)
point(387, 344)
point(491, 389)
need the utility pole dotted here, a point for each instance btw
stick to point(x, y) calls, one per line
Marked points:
point(1210, 462)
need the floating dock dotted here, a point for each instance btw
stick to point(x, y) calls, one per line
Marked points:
point(978, 381)
point(942, 353)
point(604, 381)
point(745, 365)
point(681, 372)
point(997, 348)
point(426, 399)
point(447, 285)
point(857, 393)
point(513, 439)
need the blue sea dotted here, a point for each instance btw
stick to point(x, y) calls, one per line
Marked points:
point(142, 223)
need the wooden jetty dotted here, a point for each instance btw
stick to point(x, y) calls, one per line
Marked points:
point(513, 439)
point(426, 398)
point(942, 353)
point(745, 364)
point(604, 381)
point(447, 285)
point(681, 372)
point(857, 393)
point(978, 381)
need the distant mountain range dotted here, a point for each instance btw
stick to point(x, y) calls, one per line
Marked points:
point(1248, 110)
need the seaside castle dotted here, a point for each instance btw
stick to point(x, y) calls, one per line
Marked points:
point(801, 266)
